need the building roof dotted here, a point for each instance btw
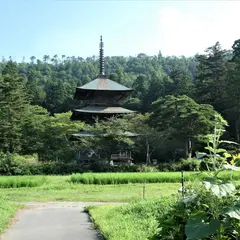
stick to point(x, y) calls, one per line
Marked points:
point(92, 134)
point(103, 83)
point(103, 109)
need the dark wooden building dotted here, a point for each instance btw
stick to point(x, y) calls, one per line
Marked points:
point(103, 98)
point(102, 95)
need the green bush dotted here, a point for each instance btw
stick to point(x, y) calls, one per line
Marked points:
point(200, 202)
point(190, 164)
point(14, 164)
point(11, 164)
point(169, 167)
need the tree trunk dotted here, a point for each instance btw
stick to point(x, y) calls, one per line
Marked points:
point(148, 161)
point(237, 130)
point(188, 151)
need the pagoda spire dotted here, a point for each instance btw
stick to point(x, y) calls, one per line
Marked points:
point(101, 58)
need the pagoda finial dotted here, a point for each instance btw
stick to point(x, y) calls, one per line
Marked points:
point(101, 58)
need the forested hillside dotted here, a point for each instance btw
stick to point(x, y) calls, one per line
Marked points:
point(212, 78)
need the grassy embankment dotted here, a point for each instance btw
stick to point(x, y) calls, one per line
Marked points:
point(7, 211)
point(136, 221)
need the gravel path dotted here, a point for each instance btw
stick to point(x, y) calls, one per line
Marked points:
point(52, 221)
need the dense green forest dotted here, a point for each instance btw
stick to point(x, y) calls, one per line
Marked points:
point(178, 99)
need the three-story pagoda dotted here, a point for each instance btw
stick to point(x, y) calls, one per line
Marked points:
point(103, 96)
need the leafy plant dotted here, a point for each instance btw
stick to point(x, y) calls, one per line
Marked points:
point(210, 211)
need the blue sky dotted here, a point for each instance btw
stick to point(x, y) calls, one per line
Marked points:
point(72, 28)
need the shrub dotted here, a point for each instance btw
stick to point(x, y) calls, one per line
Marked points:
point(14, 164)
point(11, 164)
point(169, 167)
point(200, 204)
point(190, 164)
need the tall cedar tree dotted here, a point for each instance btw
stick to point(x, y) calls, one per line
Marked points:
point(13, 104)
point(211, 77)
point(233, 92)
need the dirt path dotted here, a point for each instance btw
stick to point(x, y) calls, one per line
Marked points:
point(52, 221)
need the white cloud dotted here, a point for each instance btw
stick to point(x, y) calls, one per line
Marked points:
point(188, 31)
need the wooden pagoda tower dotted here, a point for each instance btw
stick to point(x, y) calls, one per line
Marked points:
point(103, 98)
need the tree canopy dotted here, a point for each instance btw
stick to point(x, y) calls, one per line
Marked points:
point(177, 98)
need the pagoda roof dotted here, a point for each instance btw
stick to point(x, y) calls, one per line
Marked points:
point(103, 109)
point(92, 134)
point(105, 84)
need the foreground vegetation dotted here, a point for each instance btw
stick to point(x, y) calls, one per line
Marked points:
point(207, 211)
point(136, 221)
point(7, 211)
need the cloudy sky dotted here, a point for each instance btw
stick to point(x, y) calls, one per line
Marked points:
point(72, 27)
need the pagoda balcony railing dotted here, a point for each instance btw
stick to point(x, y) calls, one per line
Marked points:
point(104, 103)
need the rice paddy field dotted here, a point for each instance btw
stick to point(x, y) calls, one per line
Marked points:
point(149, 177)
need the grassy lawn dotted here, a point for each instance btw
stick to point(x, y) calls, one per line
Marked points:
point(60, 188)
point(7, 211)
point(136, 221)
point(85, 193)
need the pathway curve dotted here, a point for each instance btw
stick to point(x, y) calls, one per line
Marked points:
point(52, 221)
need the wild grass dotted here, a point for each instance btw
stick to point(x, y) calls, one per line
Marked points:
point(21, 181)
point(7, 211)
point(136, 221)
point(149, 177)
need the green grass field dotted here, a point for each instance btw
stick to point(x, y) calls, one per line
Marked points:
point(136, 221)
point(61, 188)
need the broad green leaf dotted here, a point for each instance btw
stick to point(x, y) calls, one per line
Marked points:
point(189, 199)
point(220, 189)
point(227, 155)
point(233, 212)
point(229, 142)
point(200, 155)
point(210, 149)
point(199, 227)
point(231, 167)
point(237, 162)
point(221, 150)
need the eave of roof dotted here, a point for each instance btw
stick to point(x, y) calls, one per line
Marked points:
point(91, 134)
point(104, 110)
point(105, 84)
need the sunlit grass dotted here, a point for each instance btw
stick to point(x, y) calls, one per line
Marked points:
point(7, 211)
point(136, 221)
point(150, 177)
